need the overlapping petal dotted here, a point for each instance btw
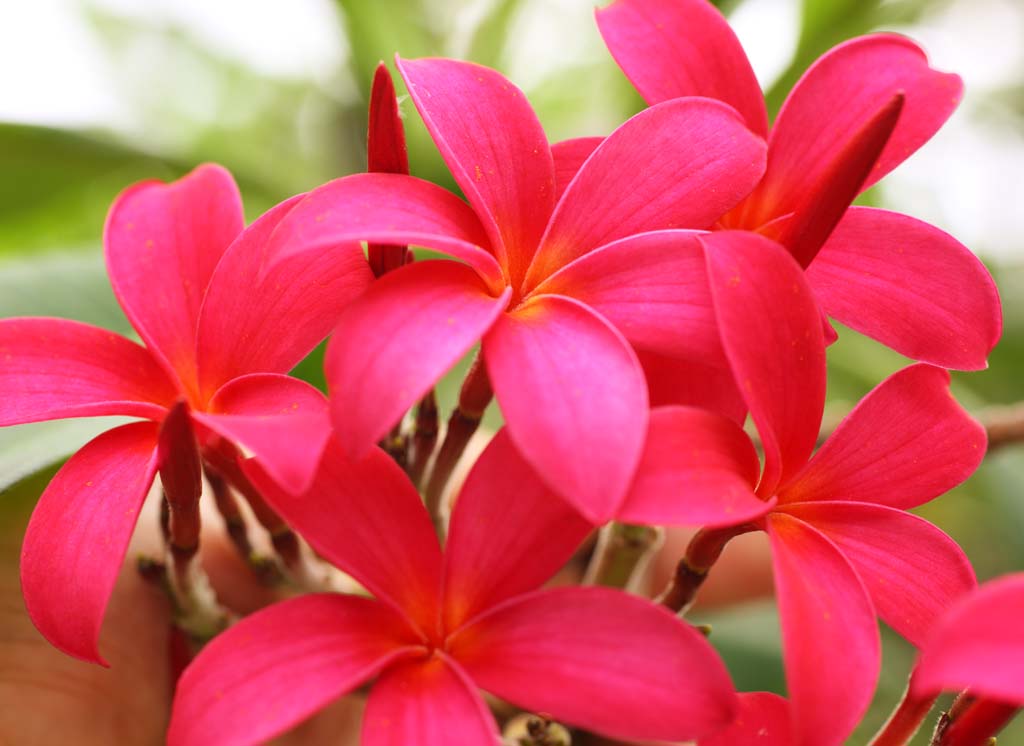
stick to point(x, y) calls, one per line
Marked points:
point(78, 535)
point(905, 443)
point(570, 387)
point(764, 720)
point(692, 383)
point(600, 659)
point(277, 667)
point(569, 156)
point(55, 368)
point(909, 285)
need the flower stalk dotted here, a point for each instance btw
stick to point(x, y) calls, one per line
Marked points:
point(703, 551)
point(972, 721)
point(622, 553)
point(904, 721)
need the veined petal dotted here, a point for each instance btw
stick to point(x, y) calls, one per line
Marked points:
point(55, 368)
point(427, 702)
point(828, 626)
point(574, 399)
point(367, 518)
point(692, 383)
point(398, 339)
point(162, 244)
point(385, 208)
point(978, 644)
point(509, 533)
point(771, 331)
point(910, 286)
point(78, 535)
point(494, 146)
point(611, 662)
point(278, 666)
point(265, 320)
point(679, 164)
point(283, 422)
point(682, 48)
point(698, 468)
point(836, 95)
point(905, 443)
point(569, 156)
point(912, 570)
point(764, 720)
point(652, 287)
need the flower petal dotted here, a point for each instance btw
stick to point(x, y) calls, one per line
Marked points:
point(653, 288)
point(828, 625)
point(390, 209)
point(367, 518)
point(54, 368)
point(905, 443)
point(978, 644)
point(771, 331)
point(78, 535)
point(574, 398)
point(764, 720)
point(260, 320)
point(428, 703)
point(910, 286)
point(680, 164)
point(602, 660)
point(495, 147)
point(162, 243)
point(698, 468)
point(277, 667)
point(692, 383)
point(682, 48)
point(913, 571)
point(397, 340)
point(509, 533)
point(569, 156)
point(386, 152)
point(282, 421)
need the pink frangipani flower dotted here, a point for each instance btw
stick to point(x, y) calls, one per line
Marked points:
point(763, 720)
point(858, 112)
point(217, 341)
point(443, 624)
point(557, 287)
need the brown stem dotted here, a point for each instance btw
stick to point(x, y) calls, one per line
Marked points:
point(265, 568)
point(424, 436)
point(972, 721)
point(904, 722)
point(621, 554)
point(1005, 425)
point(703, 551)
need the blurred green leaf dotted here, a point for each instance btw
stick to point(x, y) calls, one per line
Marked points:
point(491, 34)
point(28, 449)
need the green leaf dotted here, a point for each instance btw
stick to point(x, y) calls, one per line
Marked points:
point(28, 449)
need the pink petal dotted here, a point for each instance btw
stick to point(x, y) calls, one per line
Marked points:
point(574, 398)
point(495, 147)
point(389, 209)
point(282, 421)
point(163, 242)
point(829, 634)
point(837, 94)
point(978, 644)
point(602, 660)
point(913, 571)
point(569, 157)
point(78, 535)
point(692, 383)
point(680, 164)
point(698, 468)
point(509, 533)
point(398, 339)
point(277, 667)
point(764, 720)
point(911, 286)
point(771, 331)
point(55, 368)
point(367, 518)
point(260, 320)
point(427, 702)
point(907, 442)
point(682, 48)
point(653, 288)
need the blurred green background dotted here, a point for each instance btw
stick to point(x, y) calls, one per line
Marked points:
point(100, 94)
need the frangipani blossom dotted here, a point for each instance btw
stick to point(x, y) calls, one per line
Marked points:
point(557, 288)
point(443, 624)
point(858, 112)
point(763, 720)
point(218, 340)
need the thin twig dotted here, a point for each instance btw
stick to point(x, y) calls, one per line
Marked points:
point(703, 551)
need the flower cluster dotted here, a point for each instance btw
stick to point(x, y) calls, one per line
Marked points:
point(635, 297)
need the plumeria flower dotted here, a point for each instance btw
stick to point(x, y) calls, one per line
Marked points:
point(763, 720)
point(844, 548)
point(217, 341)
point(858, 112)
point(441, 625)
point(556, 287)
